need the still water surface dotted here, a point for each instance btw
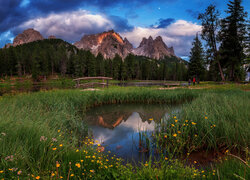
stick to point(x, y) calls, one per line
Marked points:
point(117, 127)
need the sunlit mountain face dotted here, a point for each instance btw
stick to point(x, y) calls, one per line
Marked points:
point(174, 20)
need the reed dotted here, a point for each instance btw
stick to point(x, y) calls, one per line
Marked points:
point(40, 129)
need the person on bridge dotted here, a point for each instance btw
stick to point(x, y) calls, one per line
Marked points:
point(193, 80)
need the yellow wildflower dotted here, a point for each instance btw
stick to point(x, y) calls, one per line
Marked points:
point(193, 123)
point(146, 164)
point(172, 125)
point(52, 174)
point(176, 120)
point(61, 145)
point(166, 158)
point(78, 165)
point(59, 130)
point(77, 150)
point(195, 135)
point(165, 136)
point(93, 157)
point(38, 177)
point(61, 177)
point(205, 117)
point(1, 172)
point(179, 132)
point(174, 135)
point(186, 120)
point(57, 165)
point(54, 149)
point(81, 160)
point(151, 119)
point(195, 162)
point(214, 125)
point(72, 175)
point(92, 171)
point(174, 117)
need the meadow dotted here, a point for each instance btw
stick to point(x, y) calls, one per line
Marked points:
point(43, 136)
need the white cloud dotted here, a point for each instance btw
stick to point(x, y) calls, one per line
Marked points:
point(69, 26)
point(179, 35)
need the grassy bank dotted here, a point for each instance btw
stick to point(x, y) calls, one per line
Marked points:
point(43, 136)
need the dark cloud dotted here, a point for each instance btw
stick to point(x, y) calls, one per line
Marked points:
point(121, 24)
point(162, 23)
point(194, 14)
point(12, 13)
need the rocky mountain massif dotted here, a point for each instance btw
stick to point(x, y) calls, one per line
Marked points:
point(27, 36)
point(111, 43)
point(108, 44)
point(154, 48)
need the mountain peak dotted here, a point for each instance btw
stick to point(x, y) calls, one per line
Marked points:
point(28, 35)
point(156, 49)
point(158, 38)
point(107, 43)
point(110, 33)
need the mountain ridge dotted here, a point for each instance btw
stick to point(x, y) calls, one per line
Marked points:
point(108, 43)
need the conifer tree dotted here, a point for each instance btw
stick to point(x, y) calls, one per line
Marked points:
point(233, 36)
point(210, 24)
point(196, 63)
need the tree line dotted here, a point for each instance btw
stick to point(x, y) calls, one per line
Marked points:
point(55, 56)
point(227, 44)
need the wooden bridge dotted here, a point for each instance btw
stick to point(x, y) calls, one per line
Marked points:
point(92, 84)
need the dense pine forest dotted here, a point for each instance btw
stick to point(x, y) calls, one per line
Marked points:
point(55, 56)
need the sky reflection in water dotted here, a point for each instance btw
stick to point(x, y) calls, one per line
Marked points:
point(117, 127)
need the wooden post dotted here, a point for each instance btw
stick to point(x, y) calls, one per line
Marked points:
point(77, 83)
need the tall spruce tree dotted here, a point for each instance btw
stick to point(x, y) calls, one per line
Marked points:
point(247, 60)
point(210, 24)
point(233, 36)
point(196, 63)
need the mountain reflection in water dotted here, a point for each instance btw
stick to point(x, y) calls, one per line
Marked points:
point(117, 127)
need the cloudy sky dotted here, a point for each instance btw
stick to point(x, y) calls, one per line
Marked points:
point(174, 20)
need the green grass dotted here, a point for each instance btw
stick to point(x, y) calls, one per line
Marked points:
point(25, 118)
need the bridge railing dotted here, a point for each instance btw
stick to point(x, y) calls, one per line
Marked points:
point(92, 84)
